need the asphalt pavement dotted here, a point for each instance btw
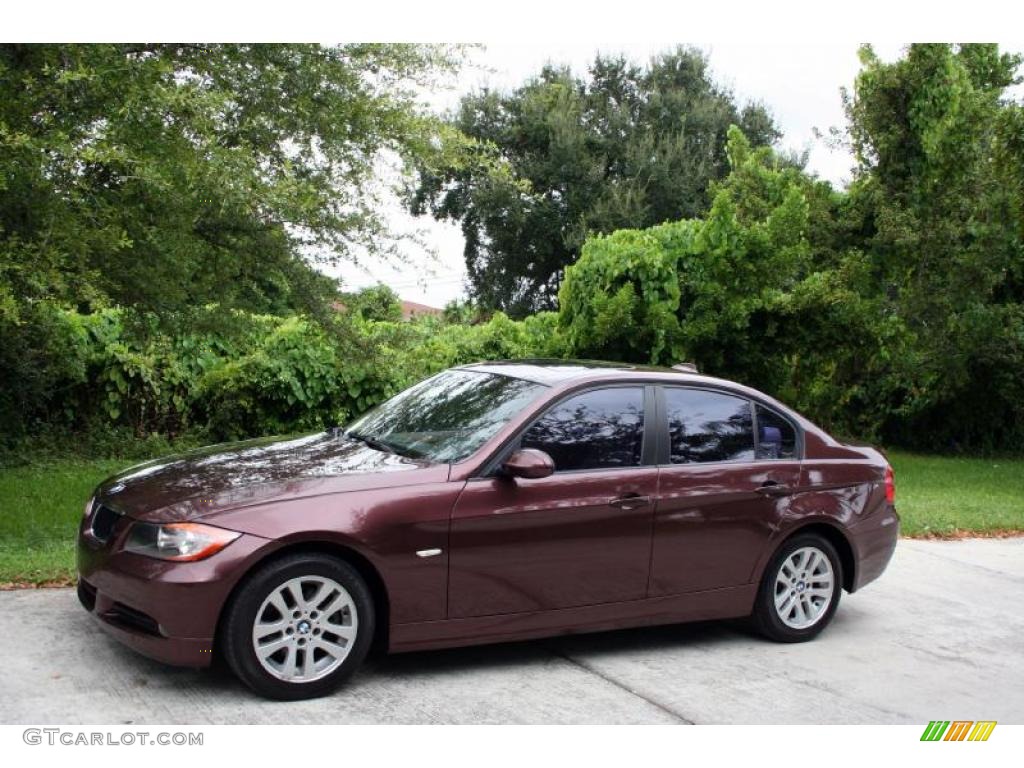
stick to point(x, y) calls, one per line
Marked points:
point(939, 637)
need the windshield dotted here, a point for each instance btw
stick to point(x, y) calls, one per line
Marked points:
point(446, 417)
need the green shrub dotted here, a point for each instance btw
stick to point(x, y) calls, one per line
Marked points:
point(117, 376)
point(289, 381)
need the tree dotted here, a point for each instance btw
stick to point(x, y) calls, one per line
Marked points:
point(375, 302)
point(692, 289)
point(161, 178)
point(462, 312)
point(893, 311)
point(939, 197)
point(563, 157)
point(166, 176)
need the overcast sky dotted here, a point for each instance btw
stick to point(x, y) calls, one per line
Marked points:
point(798, 83)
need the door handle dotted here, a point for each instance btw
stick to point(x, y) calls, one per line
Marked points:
point(630, 501)
point(773, 490)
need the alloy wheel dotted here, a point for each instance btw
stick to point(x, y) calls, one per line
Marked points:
point(804, 587)
point(305, 629)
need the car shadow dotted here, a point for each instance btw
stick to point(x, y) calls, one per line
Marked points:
point(218, 680)
point(654, 639)
point(501, 655)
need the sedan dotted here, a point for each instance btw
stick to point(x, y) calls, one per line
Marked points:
point(491, 502)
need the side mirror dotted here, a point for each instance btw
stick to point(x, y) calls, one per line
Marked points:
point(528, 463)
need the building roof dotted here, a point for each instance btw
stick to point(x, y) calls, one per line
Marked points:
point(412, 309)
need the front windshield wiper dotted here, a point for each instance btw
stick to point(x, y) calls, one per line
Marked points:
point(377, 445)
point(380, 445)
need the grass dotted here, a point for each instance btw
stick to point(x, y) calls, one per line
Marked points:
point(40, 507)
point(953, 497)
point(41, 504)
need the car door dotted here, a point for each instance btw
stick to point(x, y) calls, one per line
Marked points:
point(719, 495)
point(582, 535)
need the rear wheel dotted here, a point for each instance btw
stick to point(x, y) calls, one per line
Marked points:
point(800, 590)
point(299, 626)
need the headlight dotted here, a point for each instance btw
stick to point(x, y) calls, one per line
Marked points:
point(178, 541)
point(88, 507)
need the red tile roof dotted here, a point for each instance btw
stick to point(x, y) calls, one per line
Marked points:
point(411, 309)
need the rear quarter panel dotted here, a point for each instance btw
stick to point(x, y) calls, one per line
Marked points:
point(843, 486)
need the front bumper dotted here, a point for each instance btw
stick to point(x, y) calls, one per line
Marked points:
point(165, 610)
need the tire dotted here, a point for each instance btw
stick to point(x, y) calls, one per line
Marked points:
point(312, 615)
point(803, 620)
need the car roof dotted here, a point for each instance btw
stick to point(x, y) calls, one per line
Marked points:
point(565, 374)
point(551, 372)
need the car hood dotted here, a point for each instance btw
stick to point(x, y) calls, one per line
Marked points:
point(231, 475)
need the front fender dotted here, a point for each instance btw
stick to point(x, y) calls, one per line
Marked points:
point(387, 527)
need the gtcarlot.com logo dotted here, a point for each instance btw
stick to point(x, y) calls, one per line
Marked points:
point(958, 730)
point(73, 738)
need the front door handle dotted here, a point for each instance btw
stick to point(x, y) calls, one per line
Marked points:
point(630, 501)
point(773, 490)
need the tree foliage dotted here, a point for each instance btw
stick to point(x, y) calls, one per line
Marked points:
point(564, 157)
point(893, 310)
point(242, 374)
point(165, 176)
point(160, 178)
point(940, 151)
point(375, 302)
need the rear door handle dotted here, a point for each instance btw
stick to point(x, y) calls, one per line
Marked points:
point(630, 501)
point(773, 489)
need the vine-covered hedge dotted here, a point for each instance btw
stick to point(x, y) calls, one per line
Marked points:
point(245, 374)
point(749, 293)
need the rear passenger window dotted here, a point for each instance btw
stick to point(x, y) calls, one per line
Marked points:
point(708, 426)
point(776, 438)
point(599, 429)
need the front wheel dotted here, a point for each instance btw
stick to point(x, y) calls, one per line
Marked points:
point(299, 627)
point(800, 590)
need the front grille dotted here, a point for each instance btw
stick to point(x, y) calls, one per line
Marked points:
point(130, 618)
point(103, 521)
point(87, 595)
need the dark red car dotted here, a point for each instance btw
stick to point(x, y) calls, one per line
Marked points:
point(492, 502)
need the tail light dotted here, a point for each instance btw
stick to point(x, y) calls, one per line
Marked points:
point(890, 485)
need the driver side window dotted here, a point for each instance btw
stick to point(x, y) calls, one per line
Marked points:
point(598, 429)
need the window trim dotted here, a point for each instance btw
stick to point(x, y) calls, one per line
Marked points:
point(798, 436)
point(664, 453)
point(648, 446)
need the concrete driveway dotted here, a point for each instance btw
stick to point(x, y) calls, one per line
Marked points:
point(938, 637)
